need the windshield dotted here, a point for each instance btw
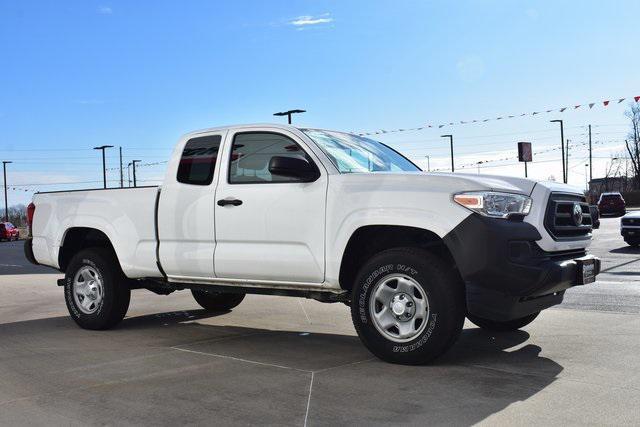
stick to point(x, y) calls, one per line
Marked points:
point(351, 153)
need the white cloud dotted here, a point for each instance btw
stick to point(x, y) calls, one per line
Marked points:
point(89, 101)
point(105, 10)
point(307, 20)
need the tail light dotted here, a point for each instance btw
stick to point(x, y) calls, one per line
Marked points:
point(31, 209)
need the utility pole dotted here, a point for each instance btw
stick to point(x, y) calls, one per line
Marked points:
point(586, 178)
point(104, 162)
point(566, 178)
point(289, 113)
point(133, 162)
point(6, 205)
point(428, 164)
point(590, 159)
point(564, 173)
point(451, 142)
point(121, 174)
point(129, 174)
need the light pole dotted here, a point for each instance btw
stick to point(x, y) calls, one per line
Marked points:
point(129, 174)
point(564, 173)
point(289, 113)
point(133, 162)
point(6, 205)
point(428, 164)
point(104, 163)
point(121, 174)
point(451, 142)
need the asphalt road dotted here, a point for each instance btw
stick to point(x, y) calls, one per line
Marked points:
point(286, 361)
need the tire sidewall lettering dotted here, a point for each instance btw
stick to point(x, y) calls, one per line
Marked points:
point(68, 289)
point(363, 305)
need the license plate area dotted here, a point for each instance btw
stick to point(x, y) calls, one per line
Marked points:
point(586, 271)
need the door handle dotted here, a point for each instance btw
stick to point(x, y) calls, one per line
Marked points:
point(232, 202)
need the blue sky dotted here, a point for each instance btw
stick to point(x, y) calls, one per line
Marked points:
point(76, 74)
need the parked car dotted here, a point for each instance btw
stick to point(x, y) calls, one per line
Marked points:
point(595, 216)
point(8, 231)
point(325, 215)
point(611, 204)
point(630, 228)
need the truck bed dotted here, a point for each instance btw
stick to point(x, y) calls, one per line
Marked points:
point(127, 216)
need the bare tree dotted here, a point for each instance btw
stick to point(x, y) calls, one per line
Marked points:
point(633, 141)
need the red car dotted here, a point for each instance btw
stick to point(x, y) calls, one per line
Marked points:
point(611, 203)
point(8, 231)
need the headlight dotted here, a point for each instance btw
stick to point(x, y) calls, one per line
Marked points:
point(493, 204)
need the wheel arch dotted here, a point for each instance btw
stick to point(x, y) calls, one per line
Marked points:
point(76, 239)
point(368, 240)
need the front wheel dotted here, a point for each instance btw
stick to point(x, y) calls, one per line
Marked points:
point(502, 326)
point(217, 301)
point(633, 242)
point(95, 289)
point(407, 306)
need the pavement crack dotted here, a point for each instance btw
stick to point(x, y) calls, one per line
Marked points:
point(238, 359)
point(306, 415)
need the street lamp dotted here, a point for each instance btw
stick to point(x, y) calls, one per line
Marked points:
point(451, 142)
point(564, 173)
point(133, 162)
point(6, 205)
point(428, 164)
point(104, 164)
point(289, 113)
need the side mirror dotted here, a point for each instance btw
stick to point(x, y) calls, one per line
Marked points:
point(293, 167)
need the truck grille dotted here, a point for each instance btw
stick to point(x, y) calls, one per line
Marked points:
point(631, 221)
point(562, 219)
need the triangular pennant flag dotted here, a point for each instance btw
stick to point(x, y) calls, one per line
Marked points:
point(636, 98)
point(576, 107)
point(605, 103)
point(548, 111)
point(486, 120)
point(591, 105)
point(535, 112)
point(498, 118)
point(620, 100)
point(451, 124)
point(439, 126)
point(562, 109)
point(511, 117)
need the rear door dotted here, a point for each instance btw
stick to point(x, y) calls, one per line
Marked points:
point(186, 210)
point(275, 229)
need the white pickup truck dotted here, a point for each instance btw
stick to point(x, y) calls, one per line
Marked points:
point(270, 209)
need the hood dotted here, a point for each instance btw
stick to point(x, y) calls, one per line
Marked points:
point(509, 184)
point(632, 214)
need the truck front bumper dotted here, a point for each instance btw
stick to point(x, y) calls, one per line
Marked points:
point(507, 275)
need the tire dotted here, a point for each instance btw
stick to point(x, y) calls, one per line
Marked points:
point(100, 270)
point(421, 279)
point(504, 326)
point(217, 301)
point(633, 243)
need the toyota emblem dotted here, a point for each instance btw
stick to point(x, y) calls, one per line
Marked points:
point(577, 214)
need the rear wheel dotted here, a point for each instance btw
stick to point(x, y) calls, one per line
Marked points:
point(407, 306)
point(217, 301)
point(95, 289)
point(502, 326)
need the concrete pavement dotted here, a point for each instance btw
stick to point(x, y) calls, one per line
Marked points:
point(287, 361)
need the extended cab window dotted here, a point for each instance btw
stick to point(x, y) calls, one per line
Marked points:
point(252, 152)
point(198, 161)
